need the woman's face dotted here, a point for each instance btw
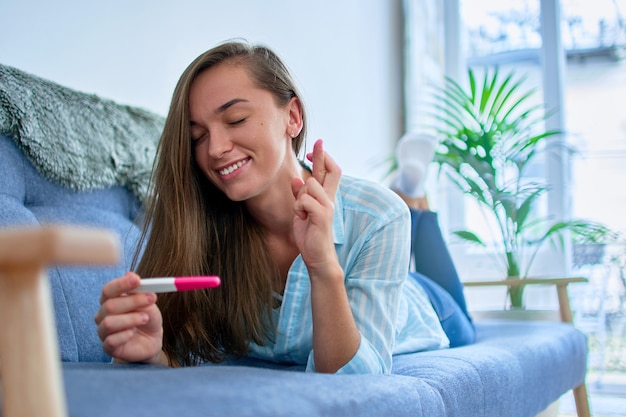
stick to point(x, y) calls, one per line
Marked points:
point(240, 136)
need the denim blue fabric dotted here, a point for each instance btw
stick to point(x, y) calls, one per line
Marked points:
point(435, 271)
point(431, 256)
point(458, 327)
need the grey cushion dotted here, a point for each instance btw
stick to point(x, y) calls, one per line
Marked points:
point(79, 140)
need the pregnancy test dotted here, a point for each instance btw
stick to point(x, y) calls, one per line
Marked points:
point(175, 284)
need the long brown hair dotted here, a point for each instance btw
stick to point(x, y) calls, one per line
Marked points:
point(192, 228)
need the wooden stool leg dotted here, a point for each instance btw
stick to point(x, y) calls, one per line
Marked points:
point(582, 401)
point(32, 382)
point(31, 374)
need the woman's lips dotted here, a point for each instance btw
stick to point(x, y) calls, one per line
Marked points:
point(233, 167)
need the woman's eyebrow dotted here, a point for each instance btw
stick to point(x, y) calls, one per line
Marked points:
point(223, 108)
point(228, 104)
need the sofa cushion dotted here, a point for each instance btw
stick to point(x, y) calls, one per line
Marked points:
point(507, 368)
point(27, 199)
point(503, 374)
point(69, 157)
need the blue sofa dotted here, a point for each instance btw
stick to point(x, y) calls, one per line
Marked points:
point(68, 157)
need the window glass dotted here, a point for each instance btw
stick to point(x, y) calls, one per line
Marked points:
point(495, 26)
point(507, 34)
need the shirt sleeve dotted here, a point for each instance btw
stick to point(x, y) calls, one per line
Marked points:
point(367, 360)
point(376, 270)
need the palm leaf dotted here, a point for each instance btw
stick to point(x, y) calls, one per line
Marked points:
point(490, 131)
point(469, 236)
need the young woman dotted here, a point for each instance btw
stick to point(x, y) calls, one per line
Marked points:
point(314, 265)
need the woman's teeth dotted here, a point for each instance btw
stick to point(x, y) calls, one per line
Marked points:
point(232, 168)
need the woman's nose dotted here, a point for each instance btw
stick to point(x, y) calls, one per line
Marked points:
point(219, 144)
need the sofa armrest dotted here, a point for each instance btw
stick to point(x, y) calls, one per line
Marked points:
point(560, 283)
point(30, 367)
point(565, 311)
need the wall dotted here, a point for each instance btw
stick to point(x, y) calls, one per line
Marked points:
point(346, 55)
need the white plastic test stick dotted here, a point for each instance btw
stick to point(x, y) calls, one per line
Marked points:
point(174, 284)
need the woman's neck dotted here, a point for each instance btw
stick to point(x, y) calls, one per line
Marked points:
point(274, 209)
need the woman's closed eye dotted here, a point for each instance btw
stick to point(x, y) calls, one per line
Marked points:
point(237, 122)
point(197, 138)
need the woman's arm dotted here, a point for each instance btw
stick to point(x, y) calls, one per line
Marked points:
point(373, 248)
point(336, 338)
point(376, 261)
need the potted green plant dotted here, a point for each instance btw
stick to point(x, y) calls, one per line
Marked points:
point(489, 135)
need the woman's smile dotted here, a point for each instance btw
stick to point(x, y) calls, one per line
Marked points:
point(233, 168)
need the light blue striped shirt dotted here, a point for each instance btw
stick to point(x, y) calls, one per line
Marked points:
point(393, 313)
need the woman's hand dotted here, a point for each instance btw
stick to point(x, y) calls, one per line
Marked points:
point(314, 211)
point(130, 325)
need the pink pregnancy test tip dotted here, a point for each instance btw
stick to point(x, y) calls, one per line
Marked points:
point(196, 283)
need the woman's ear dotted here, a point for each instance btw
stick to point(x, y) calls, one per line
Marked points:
point(294, 124)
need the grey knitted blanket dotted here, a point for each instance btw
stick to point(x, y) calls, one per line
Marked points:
point(76, 139)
